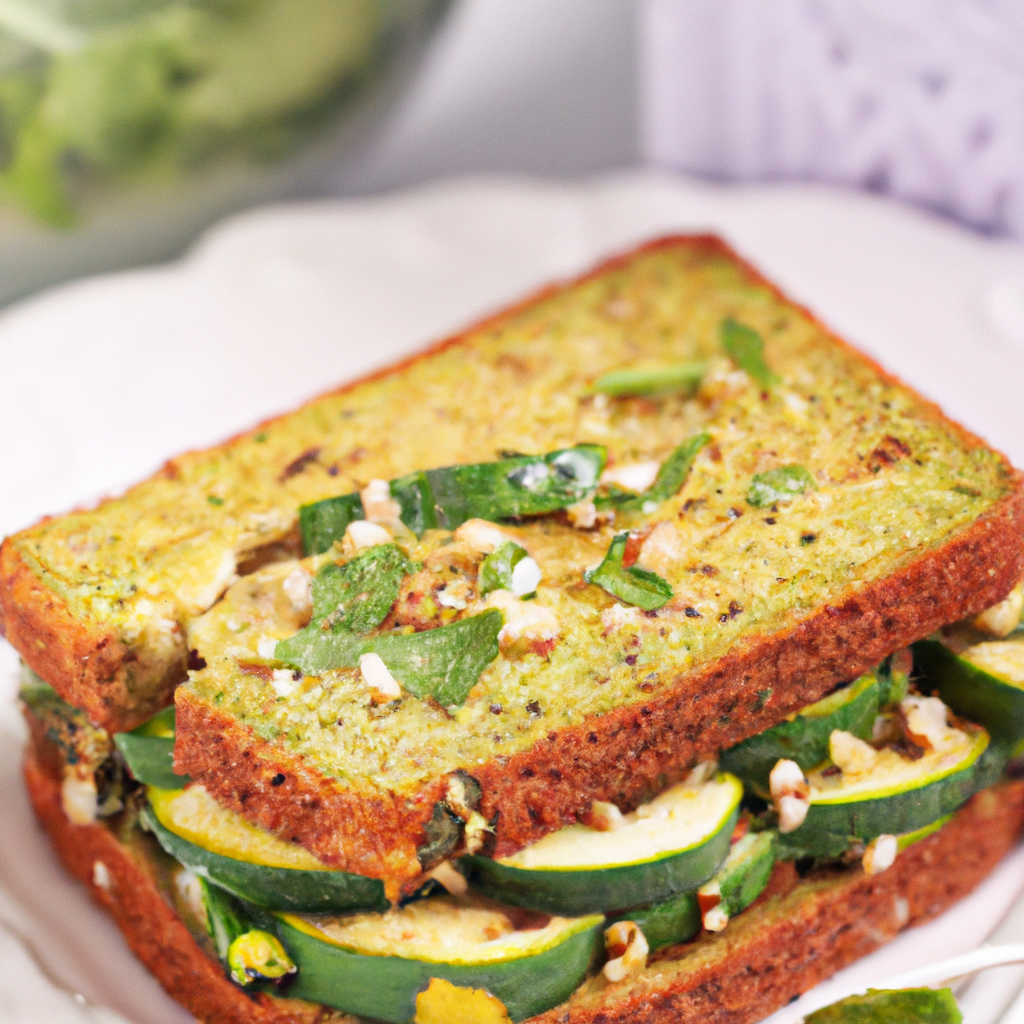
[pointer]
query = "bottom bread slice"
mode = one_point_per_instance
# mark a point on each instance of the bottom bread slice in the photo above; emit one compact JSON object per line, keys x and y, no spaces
{"x":798,"y":933}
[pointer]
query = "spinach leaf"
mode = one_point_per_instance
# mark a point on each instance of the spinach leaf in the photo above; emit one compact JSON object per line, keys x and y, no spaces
{"x":651,"y":380}
{"x":780,"y":484}
{"x":746,"y":348}
{"x":496,"y":568}
{"x":445,"y":498}
{"x":444,"y":663}
{"x":635,"y":586}
{"x":349,"y":600}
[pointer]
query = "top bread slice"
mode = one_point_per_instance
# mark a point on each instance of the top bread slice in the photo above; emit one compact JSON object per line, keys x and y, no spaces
{"x":912,"y":523}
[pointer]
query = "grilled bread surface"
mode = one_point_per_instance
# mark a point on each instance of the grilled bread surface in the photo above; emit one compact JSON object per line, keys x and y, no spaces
{"x":911,"y":523}
{"x":798,"y":933}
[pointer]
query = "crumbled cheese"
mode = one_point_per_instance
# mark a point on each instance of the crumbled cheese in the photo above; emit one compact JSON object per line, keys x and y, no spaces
{"x":851,"y":754}
{"x":78,"y":796}
{"x":298,"y":588}
{"x":927,"y":725}
{"x":633,"y":476}
{"x":266,"y":647}
{"x":378,"y":505}
{"x":626,"y":937}
{"x":100,"y":875}
{"x":1002,"y":619}
{"x":450,"y":599}
{"x":523,"y":619}
{"x":605,"y":817}
{"x":362,"y":534}
{"x":880,"y":855}
{"x":526,"y":577}
{"x":663,"y":549}
{"x":481,"y":535}
{"x":283,"y":681}
{"x":618,"y":615}
{"x":382,"y":684}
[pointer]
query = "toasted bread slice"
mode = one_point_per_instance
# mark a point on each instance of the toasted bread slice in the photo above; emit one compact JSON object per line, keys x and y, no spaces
{"x":98,"y":602}
{"x":798,"y":933}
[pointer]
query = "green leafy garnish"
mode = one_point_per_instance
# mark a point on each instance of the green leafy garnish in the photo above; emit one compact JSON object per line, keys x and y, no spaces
{"x":746,"y":348}
{"x":779,"y":484}
{"x":496,"y":568}
{"x":885,"y":1006}
{"x":445,"y":498}
{"x":651,"y":380}
{"x":444,"y":663}
{"x":635,"y":586}
{"x":349,"y":600}
{"x":671,"y":476}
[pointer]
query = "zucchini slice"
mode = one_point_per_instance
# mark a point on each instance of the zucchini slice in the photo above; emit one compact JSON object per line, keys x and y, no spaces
{"x":675,"y":842}
{"x":804,"y":738}
{"x":984,"y":683}
{"x":897,"y":796}
{"x":249,"y":862}
{"x":741,"y":879}
{"x":374,"y":965}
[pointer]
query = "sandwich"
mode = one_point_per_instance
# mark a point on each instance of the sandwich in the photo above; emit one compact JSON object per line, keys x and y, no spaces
{"x":644,"y":653}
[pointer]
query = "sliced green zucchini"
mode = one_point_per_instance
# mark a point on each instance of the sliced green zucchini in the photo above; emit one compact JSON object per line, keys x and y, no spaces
{"x":149,"y":752}
{"x":374,"y":965}
{"x":741,"y":879}
{"x":676,"y":842}
{"x":985,"y":683}
{"x":249,"y":862}
{"x":804,"y":738}
{"x":897,"y":796}
{"x":883,"y":1006}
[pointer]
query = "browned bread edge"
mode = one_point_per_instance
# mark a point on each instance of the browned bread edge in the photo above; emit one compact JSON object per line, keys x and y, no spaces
{"x":797,"y":934}
{"x":628,"y":753}
{"x":118,"y":686}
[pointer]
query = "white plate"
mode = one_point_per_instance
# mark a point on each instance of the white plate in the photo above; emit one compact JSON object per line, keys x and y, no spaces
{"x":102,"y":380}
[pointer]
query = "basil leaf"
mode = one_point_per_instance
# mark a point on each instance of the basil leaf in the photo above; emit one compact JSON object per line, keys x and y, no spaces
{"x":651,"y":380}
{"x":349,"y":600}
{"x":150,"y":759}
{"x":444,"y":663}
{"x":445,"y":498}
{"x":324,"y":522}
{"x":671,"y":476}
{"x":635,"y":586}
{"x":746,"y":348}
{"x":496,"y":568}
{"x":779,"y":484}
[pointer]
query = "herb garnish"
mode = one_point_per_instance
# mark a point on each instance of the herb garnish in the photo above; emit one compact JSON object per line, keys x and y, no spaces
{"x":634,"y":585}
{"x":746,"y":348}
{"x":780,"y":484}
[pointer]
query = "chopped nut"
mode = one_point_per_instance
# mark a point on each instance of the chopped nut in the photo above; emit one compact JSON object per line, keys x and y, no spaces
{"x":626,"y":943}
{"x":792,"y":812}
{"x":605,"y":817}
{"x":582,"y":515}
{"x":78,"y":796}
{"x":851,"y":754}
{"x":787,"y":779}
{"x":523,"y":618}
{"x":378,"y":505}
{"x":1002,"y":619}
{"x":481,"y":535}
{"x":715,"y":919}
{"x":454,"y":881}
{"x":633,"y":476}
{"x":925,"y":723}
{"x":477,"y":828}
{"x":381,"y":683}
{"x":362,"y":534}
{"x":880,"y":854}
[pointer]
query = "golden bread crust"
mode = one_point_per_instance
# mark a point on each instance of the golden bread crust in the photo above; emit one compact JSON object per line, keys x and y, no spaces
{"x":797,"y":934}
{"x":626,"y":754}
{"x":153,"y":930}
